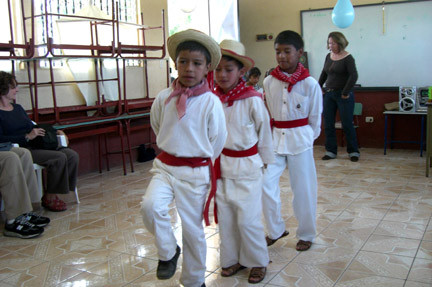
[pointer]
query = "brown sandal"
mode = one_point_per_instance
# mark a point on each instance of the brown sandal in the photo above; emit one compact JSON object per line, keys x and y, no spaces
{"x":273,"y":241}
{"x":303,"y":245}
{"x":233,"y":269}
{"x":257,"y":274}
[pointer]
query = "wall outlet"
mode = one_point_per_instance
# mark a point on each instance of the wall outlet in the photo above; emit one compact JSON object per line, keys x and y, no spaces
{"x":369,"y":119}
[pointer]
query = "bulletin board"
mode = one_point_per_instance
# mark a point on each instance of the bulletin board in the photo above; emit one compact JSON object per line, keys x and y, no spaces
{"x":390,"y":42}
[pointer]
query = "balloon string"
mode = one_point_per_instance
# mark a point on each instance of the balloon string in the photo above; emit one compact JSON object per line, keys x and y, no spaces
{"x":383,"y":17}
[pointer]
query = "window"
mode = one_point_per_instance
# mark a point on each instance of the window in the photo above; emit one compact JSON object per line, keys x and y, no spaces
{"x":127,"y":13}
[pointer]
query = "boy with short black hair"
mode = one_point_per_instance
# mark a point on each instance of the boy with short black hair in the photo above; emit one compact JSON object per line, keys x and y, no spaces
{"x":189,"y":124}
{"x":294,"y":101}
{"x":254,"y":75}
{"x":247,"y":150}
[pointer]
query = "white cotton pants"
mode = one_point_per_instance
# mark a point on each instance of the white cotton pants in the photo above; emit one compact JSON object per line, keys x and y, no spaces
{"x":188,"y":187}
{"x":241,"y":231}
{"x":302,"y":173}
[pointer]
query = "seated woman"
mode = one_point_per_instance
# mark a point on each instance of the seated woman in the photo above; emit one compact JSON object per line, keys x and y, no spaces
{"x":16,"y":127}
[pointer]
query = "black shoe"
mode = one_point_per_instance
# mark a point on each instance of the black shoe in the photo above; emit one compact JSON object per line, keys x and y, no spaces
{"x":39,"y":221}
{"x":22,"y":228}
{"x":203,"y":285}
{"x":354,"y":158}
{"x":327,"y":157}
{"x":166,"y":269}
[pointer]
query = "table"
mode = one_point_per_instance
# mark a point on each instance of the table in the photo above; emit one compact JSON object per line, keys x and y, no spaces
{"x":391,"y":140}
{"x":428,"y":137}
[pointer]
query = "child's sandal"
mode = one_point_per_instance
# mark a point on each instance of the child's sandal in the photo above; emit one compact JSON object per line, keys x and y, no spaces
{"x":303,"y":245}
{"x":233,"y":269}
{"x":257,"y":274}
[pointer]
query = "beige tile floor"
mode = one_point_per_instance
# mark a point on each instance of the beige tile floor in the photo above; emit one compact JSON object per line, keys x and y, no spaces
{"x":374,"y":229}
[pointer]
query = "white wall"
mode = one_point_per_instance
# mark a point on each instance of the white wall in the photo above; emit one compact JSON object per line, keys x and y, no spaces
{"x":272,"y":17}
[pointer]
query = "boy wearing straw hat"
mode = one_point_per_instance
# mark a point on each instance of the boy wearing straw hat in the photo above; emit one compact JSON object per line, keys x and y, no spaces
{"x":247,"y":150}
{"x":189,"y":124}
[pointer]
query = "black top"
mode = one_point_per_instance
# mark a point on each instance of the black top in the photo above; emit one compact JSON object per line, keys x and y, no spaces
{"x":14,"y":125}
{"x":340,"y":74}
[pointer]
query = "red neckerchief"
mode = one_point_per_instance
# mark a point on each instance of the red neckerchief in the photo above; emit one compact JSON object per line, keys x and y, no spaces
{"x":241,"y":91}
{"x":184,"y":93}
{"x":300,"y":73}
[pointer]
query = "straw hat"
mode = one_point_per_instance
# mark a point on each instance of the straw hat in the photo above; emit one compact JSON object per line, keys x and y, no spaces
{"x":194,"y":35}
{"x":237,"y":51}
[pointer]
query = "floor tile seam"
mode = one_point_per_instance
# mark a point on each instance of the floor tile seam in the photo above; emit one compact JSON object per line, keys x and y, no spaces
{"x":373,"y":233}
{"x":418,"y":248}
{"x":114,"y":187}
{"x":80,"y":226}
{"x":88,"y":271}
{"x":356,"y":254}
{"x":304,"y":264}
{"x":359,"y":250}
{"x":65,"y":279}
{"x":328,"y":226}
{"x":388,"y":208}
{"x":62,"y":283}
{"x":340,"y":213}
{"x":8,"y":276}
{"x":281,"y":269}
{"x":27,"y":269}
{"x":379,"y":275}
{"x":413,"y":280}
{"x":425,"y":225}
{"x":6,"y":284}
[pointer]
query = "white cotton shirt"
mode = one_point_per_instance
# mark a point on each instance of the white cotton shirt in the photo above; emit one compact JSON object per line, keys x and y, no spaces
{"x":201,"y":132}
{"x":248,"y":123}
{"x":304,"y":101}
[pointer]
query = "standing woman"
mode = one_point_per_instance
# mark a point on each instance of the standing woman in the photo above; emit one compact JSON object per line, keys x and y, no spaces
{"x":339,"y":75}
{"x":16,"y":127}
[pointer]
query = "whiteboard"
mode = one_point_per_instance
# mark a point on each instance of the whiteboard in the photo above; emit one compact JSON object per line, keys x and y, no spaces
{"x":391,"y":49}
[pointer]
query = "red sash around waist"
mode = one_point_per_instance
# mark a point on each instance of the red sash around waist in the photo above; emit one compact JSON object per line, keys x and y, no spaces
{"x":233,"y":153}
{"x":289,"y":124}
{"x":240,"y":153}
{"x":169,"y":159}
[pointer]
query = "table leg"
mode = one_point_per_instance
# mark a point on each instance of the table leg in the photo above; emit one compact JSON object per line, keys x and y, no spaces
{"x":422,"y":135}
{"x":385,"y":134}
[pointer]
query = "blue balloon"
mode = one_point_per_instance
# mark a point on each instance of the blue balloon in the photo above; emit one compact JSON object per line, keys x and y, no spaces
{"x":343,"y":14}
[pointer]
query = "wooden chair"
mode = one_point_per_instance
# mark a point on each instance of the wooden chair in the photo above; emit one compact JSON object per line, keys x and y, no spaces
{"x":358,"y":109}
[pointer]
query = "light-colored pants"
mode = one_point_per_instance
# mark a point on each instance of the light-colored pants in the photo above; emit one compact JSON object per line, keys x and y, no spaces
{"x":188,"y":187}
{"x":302,"y":173}
{"x":241,"y":231}
{"x":18,"y":185}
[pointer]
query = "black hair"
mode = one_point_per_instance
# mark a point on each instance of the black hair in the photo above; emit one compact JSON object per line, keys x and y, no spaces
{"x":237,"y":62}
{"x":289,"y":37}
{"x":269,"y":72}
{"x":7,"y":81}
{"x":254,"y":72}
{"x":193,"y":46}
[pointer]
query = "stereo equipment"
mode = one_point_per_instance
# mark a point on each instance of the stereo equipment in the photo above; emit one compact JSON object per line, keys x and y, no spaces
{"x":407,"y":99}
{"x":422,"y":99}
